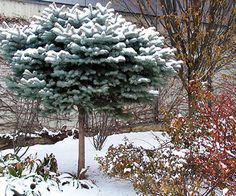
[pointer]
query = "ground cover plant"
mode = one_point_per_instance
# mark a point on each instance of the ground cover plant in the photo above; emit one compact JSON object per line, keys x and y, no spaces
{"x":34,"y":176}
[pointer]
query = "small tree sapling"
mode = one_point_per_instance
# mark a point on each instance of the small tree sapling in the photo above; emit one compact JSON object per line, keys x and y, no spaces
{"x":88,"y":59}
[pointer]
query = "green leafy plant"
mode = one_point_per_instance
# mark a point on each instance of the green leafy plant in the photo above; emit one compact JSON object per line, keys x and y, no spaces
{"x":12,"y":165}
{"x":35,"y":177}
{"x":48,"y":166}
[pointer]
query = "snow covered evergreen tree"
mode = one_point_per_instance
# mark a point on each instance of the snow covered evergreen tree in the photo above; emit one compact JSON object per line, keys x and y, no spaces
{"x":89,"y":58}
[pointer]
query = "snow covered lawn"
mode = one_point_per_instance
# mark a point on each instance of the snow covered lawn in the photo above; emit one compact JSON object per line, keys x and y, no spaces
{"x":66,"y":153}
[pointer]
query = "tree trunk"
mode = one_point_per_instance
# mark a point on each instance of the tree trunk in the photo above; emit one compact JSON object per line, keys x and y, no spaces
{"x":210,"y":88}
{"x":191,"y":103}
{"x":81,"y":162}
{"x":156,"y":109}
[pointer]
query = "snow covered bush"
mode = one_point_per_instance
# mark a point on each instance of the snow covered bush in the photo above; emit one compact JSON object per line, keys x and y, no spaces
{"x":159,"y":171}
{"x":12,"y":165}
{"x":200,"y":160}
{"x":120,"y":160}
{"x":210,"y":137}
{"x":36,"y":177}
{"x":217,"y":158}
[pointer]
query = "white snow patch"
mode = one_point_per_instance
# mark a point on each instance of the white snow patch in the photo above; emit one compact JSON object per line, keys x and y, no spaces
{"x":154,"y":92}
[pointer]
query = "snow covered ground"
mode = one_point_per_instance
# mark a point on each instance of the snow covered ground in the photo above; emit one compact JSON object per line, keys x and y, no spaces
{"x":66,"y":153}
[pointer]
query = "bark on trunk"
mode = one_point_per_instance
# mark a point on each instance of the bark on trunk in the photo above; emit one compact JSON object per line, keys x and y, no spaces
{"x":81,"y":162}
{"x":210,"y":89}
{"x":191,"y":104}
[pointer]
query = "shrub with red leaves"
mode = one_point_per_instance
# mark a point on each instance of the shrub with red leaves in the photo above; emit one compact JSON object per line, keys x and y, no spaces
{"x":210,"y":135}
{"x":216,"y":114}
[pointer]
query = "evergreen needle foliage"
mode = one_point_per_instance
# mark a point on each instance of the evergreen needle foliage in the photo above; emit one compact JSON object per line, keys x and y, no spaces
{"x":91,"y":58}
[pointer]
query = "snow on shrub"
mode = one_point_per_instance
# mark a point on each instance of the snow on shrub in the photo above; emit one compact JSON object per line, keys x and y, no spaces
{"x":201,"y":159}
{"x":218,"y":162}
{"x":152,"y":171}
{"x":12,"y":165}
{"x":210,"y":136}
{"x":33,"y":176}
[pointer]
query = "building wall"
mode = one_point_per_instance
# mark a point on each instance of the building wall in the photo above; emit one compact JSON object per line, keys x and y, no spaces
{"x":20,"y":8}
{"x":28,"y":8}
